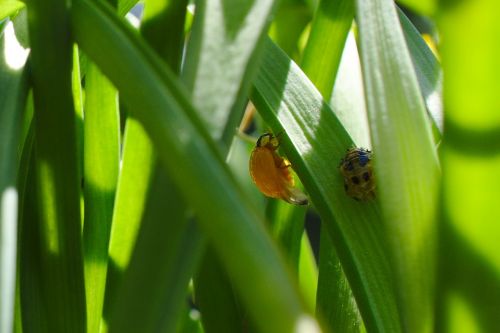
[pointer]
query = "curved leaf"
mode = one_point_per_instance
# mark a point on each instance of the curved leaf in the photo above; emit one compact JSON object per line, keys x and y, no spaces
{"x":13,"y":95}
{"x":159,"y":101}
{"x":315,"y":141}
{"x":100,"y":172}
{"x":427,"y":69}
{"x":406,"y":164}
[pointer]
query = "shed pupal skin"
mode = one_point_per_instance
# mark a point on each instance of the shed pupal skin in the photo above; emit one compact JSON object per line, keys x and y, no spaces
{"x":272,"y":173}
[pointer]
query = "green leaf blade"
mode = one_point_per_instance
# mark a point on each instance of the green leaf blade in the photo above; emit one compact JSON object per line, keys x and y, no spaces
{"x":175,"y":244}
{"x":101,"y":165}
{"x":13,"y":95}
{"x":56,"y":166}
{"x":321,"y":59}
{"x":176,"y":132}
{"x":331,"y":57}
{"x":226,"y":41}
{"x":406,"y":164}
{"x":427,"y":69}
{"x":335,"y":303}
{"x":289,"y":103}
{"x":9,"y":7}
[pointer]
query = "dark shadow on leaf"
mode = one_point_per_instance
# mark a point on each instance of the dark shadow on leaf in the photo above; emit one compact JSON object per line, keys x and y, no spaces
{"x":235,"y":13}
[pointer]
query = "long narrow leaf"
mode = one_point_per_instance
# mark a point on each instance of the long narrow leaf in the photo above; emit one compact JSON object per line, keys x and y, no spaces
{"x":216,"y":298}
{"x":308,"y":272}
{"x":78,"y":100}
{"x":9,"y":7}
{"x":33,"y":312}
{"x":101,"y":162}
{"x":289,"y":103}
{"x":154,"y":287}
{"x":173,"y":243}
{"x":335,"y":303}
{"x":134,"y":179}
{"x":321,"y":59}
{"x":202,"y":176}
{"x":138,"y":168}
{"x":287,"y":225}
{"x":25,"y":170}
{"x":427,"y":69}
{"x":406,"y":166}
{"x":226,"y":41}
{"x":56,"y":164}
{"x":13,"y":94}
{"x":289,"y":24}
{"x":326,"y":48}
{"x":130,"y":204}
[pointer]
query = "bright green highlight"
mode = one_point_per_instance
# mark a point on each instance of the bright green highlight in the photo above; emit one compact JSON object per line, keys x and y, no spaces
{"x":9,"y":7}
{"x":472,"y":189}
{"x":472,"y":65}
{"x":461,"y":315}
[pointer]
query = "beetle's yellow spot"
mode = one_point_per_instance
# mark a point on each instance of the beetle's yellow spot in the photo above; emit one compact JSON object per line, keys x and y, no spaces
{"x":272,"y":173}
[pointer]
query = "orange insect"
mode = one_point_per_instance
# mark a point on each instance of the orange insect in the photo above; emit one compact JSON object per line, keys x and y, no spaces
{"x":272,"y":173}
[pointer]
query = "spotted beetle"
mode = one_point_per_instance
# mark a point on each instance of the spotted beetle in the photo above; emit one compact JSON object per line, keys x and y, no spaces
{"x":356,"y":168}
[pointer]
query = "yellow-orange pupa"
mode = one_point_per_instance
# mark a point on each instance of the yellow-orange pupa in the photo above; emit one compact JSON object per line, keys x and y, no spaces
{"x":272,"y":173}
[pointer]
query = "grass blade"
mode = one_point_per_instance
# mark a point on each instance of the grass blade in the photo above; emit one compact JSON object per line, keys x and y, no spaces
{"x":406,"y":164}
{"x":76,"y":83}
{"x":470,"y":283}
{"x":349,"y":105}
{"x":216,"y":298}
{"x":225,"y":43}
{"x":308,"y":272}
{"x":130,"y":204}
{"x":13,"y":95}
{"x":321,"y":59}
{"x":134,"y":178}
{"x":9,"y":7}
{"x":175,"y":245}
{"x":326,"y":48}
{"x":427,"y":69}
{"x":101,"y":163}
{"x":288,"y":25}
{"x":33,"y":312}
{"x":245,"y":247}
{"x":152,"y":294}
{"x":56,"y":164}
{"x":25,"y":169}
{"x":289,"y":103}
{"x":335,"y":304}
{"x":287,"y":226}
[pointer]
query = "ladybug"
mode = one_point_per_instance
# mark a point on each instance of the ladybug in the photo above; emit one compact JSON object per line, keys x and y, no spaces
{"x":356,"y":168}
{"x":272,"y":174}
